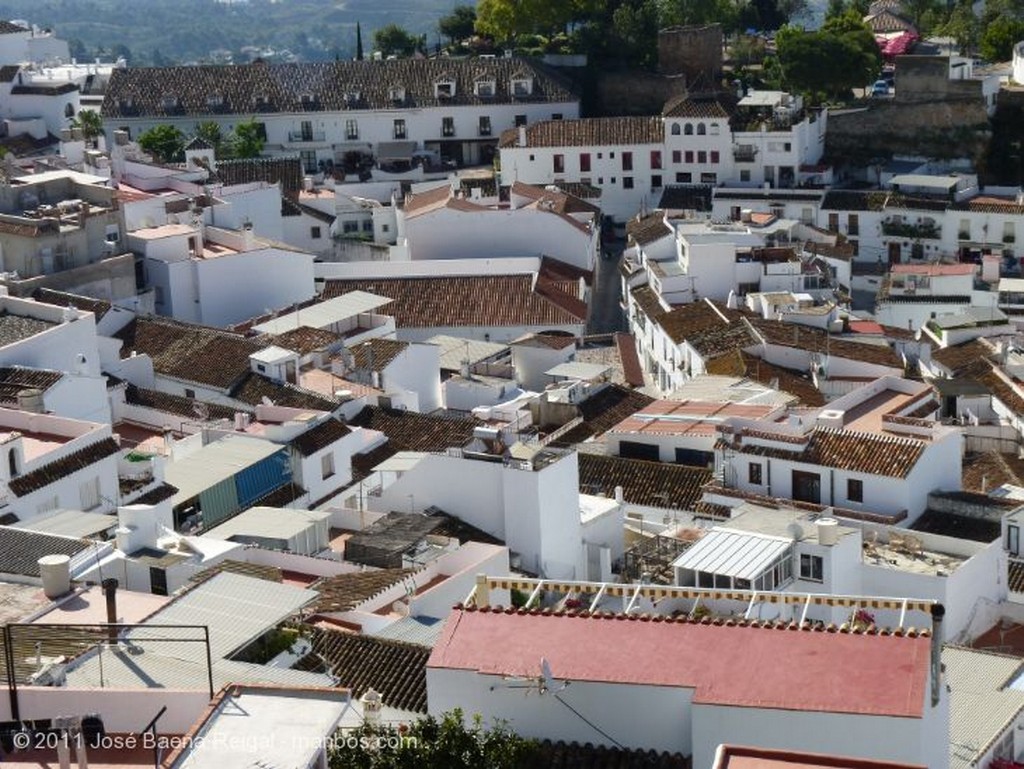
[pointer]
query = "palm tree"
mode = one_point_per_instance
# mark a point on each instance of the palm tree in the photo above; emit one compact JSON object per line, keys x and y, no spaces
{"x":91,"y":124}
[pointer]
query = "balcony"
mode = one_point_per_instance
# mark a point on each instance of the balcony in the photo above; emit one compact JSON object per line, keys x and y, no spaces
{"x":921,"y":231}
{"x":744,"y":153}
{"x":306,"y":136}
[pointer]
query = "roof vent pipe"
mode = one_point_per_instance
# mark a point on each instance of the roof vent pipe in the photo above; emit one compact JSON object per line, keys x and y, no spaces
{"x":110,"y":594}
{"x":938,"y":611}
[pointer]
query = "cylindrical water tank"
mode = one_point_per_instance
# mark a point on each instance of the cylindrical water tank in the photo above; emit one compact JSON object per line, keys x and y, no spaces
{"x":55,"y":571}
{"x":828,"y":531}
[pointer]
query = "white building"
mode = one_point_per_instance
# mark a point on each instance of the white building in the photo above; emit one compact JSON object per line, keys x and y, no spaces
{"x":537,"y":222}
{"x":196,"y":273}
{"x":329,"y":112}
{"x":698,"y":685}
{"x":409,"y":373}
{"x":695,"y":141}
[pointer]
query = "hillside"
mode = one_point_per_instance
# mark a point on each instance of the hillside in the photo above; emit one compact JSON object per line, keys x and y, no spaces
{"x":160,"y":32}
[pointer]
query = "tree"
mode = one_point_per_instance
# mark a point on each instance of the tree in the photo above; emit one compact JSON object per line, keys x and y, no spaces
{"x":248,"y":139}
{"x":91,"y":123}
{"x":459,"y":24}
{"x":999,"y":38}
{"x":359,"y":42}
{"x":431,"y":743}
{"x":393,"y":40}
{"x":165,"y":142}
{"x":841,"y":56}
{"x":210,"y":131}
{"x":962,"y":26}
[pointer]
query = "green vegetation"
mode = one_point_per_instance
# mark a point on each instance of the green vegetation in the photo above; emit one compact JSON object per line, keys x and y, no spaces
{"x":999,"y":38}
{"x":393,"y":40}
{"x":247,"y":140}
{"x":164,"y":142}
{"x":431,"y":743}
{"x":91,"y":123}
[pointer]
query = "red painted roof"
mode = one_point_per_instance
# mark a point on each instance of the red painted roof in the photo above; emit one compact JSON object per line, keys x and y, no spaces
{"x":732,"y":757}
{"x":739,"y":665}
{"x":865,"y":327}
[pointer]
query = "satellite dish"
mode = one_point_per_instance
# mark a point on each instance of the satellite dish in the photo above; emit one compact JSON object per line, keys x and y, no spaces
{"x":548,"y":684}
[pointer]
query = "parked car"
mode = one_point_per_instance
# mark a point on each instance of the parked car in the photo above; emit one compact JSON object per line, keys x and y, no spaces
{"x":880,"y":88}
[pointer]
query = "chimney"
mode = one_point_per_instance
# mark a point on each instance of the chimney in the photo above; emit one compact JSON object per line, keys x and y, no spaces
{"x":938,"y":611}
{"x":522,"y":136}
{"x":110,"y":593}
{"x":372,"y":704}
{"x":620,"y":496}
{"x":482,"y":595}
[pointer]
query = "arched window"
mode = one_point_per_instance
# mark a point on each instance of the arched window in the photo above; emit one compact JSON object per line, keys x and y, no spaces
{"x":701,"y":130}
{"x":675,"y":129}
{"x":69,"y":110}
{"x":12,"y":463}
{"x":689,"y":129}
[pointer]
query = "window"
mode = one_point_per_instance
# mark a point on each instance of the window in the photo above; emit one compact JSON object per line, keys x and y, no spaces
{"x":558,"y":164}
{"x":806,"y":487}
{"x":157,"y":580}
{"x":520,"y":120}
{"x":677,"y":156}
{"x":12,"y":463}
{"x":309,"y":161}
{"x":447,"y":126}
{"x":811,"y":567}
{"x":833,"y":222}
{"x":306,"y":131}
{"x":350,"y":228}
{"x":190,"y":393}
{"x":656,"y":182}
{"x":399,"y":129}
{"x":485,"y":88}
{"x":584,"y":162}
{"x":385,"y":228}
{"x":702,"y":157}
{"x":675,"y":129}
{"x":522,"y":86}
{"x":854,"y":490}
{"x":396,"y":93}
{"x":89,"y":494}
{"x":655,"y":159}
{"x":852,"y":224}
{"x":701,"y":130}
{"x":484,"y":125}
{"x":351,"y":129}
{"x":69,"y":110}
{"x":627,"y":182}
{"x":169,"y":101}
{"x":627,"y":161}
{"x":754,"y":473}
{"x":326,"y":466}
{"x":261,"y":368}
{"x":556,"y":115}
{"x":709,"y":178}
{"x":689,"y":129}
{"x":314,"y":233}
{"x":689,"y":156}
{"x":745,"y":176}
{"x":684,"y":178}
{"x":444,"y":89}
{"x":714,"y":156}
{"x":367,"y":225}
{"x":1013,"y":539}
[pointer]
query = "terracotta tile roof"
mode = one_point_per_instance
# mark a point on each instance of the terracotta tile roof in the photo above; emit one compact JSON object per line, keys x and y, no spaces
{"x":860,"y":452}
{"x":573,"y":755}
{"x":174,"y":404}
{"x":320,"y":437}
{"x":742,"y":364}
{"x":253,"y":388}
{"x":686,"y":197}
{"x":739,"y":664}
{"x":306,"y":339}
{"x":647,"y":300}
{"x":990,"y":205}
{"x":157,"y":495}
{"x":258,"y":571}
{"x":21,"y":549}
{"x":959,"y":357}
{"x":26,"y":230}
{"x":559,"y":201}
{"x":550,"y":341}
{"x":648,"y":229}
{"x":332,"y":86}
{"x":99,"y":307}
{"x":453,"y":526}
{"x":1015,"y":575}
{"x":409,"y":431}
{"x":8,"y":71}
{"x":16,"y":379}
{"x":694,"y":107}
{"x":377,"y":354}
{"x":984,"y":373}
{"x":589,"y":132}
{"x":10,"y":28}
{"x":427,"y":200}
{"x":457,"y":301}
{"x":15,"y":328}
{"x":603,"y":411}
{"x":58,"y":469}
{"x":44,"y":89}
{"x":398,"y":671}
{"x":854,"y":200}
{"x":711,"y":331}
{"x":984,"y":471}
{"x":286,"y":171}
{"x":654,"y":484}
{"x":191,"y":353}
{"x":817,"y":340}
{"x":632,"y":371}
{"x":63,"y":641}
{"x":344,"y":592}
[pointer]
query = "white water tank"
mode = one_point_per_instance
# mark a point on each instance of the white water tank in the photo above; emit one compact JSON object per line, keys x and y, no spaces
{"x":31,"y":399}
{"x":828,"y":531}
{"x":55,"y":571}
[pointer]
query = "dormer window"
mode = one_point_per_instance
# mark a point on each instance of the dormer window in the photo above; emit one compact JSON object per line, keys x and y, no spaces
{"x":351,"y":98}
{"x":169,"y":101}
{"x":308,"y":99}
{"x":127,"y":103}
{"x":214,"y":101}
{"x":444,"y":88}
{"x":522,"y":86}
{"x":260,"y":101}
{"x":484,"y":88}
{"x":396,"y":93}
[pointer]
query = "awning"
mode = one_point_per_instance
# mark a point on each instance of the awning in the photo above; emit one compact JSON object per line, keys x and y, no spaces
{"x":737,"y":554}
{"x":395,"y":150}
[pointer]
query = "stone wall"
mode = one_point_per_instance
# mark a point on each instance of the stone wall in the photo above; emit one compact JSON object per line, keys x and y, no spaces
{"x":693,"y":51}
{"x":634,"y":92}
